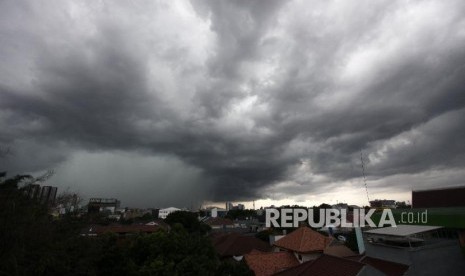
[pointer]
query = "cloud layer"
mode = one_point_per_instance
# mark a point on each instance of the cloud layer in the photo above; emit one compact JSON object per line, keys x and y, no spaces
{"x":243,"y":100}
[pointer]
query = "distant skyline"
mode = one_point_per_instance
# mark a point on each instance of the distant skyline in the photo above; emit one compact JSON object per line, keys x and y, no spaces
{"x":182,"y":102}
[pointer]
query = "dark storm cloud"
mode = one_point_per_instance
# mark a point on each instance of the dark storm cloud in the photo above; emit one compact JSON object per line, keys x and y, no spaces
{"x":245,"y":96}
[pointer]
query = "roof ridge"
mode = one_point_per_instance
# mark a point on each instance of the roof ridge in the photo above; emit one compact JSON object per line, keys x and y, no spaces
{"x":302,"y":238}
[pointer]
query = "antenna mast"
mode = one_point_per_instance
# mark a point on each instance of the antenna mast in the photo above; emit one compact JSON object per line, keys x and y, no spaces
{"x":364,"y":177}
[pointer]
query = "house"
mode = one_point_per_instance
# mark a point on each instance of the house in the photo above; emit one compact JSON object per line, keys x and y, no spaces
{"x":163,"y":213}
{"x":234,"y":245}
{"x":305,"y":243}
{"x":326,"y":265}
{"x":269,"y":263}
{"x":427,"y":250}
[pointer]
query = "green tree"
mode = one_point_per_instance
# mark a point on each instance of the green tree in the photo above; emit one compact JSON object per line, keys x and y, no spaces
{"x":22,"y":221}
{"x":174,"y":253}
{"x":33,"y":243}
{"x":189,"y":221}
{"x":241,"y":214}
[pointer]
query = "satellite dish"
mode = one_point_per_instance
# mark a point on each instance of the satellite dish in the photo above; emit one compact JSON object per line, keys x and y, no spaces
{"x":342,"y":238}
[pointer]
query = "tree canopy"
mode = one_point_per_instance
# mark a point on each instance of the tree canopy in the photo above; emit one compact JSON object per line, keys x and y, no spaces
{"x":33,"y":243}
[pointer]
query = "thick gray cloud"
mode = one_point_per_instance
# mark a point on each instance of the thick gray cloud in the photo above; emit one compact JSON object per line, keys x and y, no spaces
{"x":242,"y":100}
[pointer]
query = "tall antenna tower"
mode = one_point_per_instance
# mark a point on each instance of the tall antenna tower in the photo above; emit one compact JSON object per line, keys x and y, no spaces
{"x":364,"y":177}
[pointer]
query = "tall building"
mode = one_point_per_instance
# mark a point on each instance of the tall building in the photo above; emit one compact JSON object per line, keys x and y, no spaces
{"x":48,"y":195}
{"x":44,"y":194}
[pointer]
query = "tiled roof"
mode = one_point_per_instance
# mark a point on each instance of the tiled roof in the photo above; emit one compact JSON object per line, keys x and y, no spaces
{"x":356,"y":258}
{"x":304,"y":240}
{"x":339,"y":251}
{"x":234,"y":244}
{"x":325,"y":265}
{"x":268,"y":263}
{"x":387,"y":267}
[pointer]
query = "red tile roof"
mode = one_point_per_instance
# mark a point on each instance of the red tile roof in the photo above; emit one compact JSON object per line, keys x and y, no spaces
{"x":268,"y":263}
{"x":325,"y":265}
{"x":304,"y":240}
{"x":234,"y":244}
{"x":356,"y":258}
{"x":339,"y":251}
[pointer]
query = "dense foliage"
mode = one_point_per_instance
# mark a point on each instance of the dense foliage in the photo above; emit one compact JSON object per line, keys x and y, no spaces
{"x":189,"y":221}
{"x":241,"y":214}
{"x":33,"y":243}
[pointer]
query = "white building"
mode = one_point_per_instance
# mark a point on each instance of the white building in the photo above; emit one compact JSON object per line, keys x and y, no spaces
{"x":163,"y":213}
{"x":218,"y":212}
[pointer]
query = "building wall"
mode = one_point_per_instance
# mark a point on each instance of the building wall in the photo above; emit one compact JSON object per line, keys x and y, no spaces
{"x":163,"y":213}
{"x":453,"y":197}
{"x":306,"y":257}
{"x":102,"y":204}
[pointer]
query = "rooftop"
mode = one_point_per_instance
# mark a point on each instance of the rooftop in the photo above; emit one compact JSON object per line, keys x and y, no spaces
{"x":339,"y":251}
{"x":325,"y":265}
{"x":403,"y":230}
{"x":440,"y":189}
{"x":304,"y":240}
{"x":234,"y":244}
{"x":268,"y":263}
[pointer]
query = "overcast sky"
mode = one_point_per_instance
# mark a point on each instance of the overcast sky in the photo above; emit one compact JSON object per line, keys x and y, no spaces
{"x":163,"y":103}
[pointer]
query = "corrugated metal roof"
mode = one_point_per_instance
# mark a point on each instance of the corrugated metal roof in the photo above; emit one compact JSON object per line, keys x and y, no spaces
{"x":403,"y":230}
